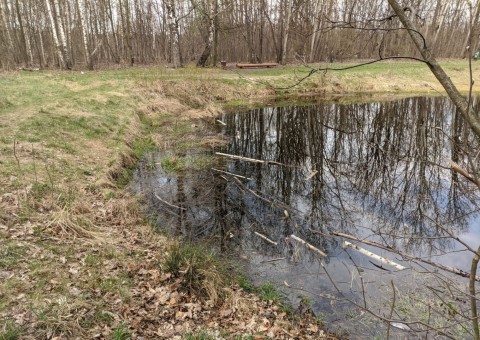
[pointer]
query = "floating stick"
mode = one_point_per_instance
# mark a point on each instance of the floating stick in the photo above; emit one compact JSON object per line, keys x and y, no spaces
{"x":368,"y":253}
{"x":231,"y":174}
{"x":266,"y":238}
{"x":308,"y":245}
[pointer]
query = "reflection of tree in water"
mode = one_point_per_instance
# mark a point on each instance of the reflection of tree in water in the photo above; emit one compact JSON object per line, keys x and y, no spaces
{"x":382,"y":166}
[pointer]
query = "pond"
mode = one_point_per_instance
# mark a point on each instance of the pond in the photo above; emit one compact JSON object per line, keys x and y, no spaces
{"x":376,"y":171}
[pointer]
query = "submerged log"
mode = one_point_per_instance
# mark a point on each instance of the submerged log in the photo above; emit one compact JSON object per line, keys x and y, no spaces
{"x":308,"y":245}
{"x":373,"y":255}
{"x":408,"y":257}
{"x":265,"y":238}
{"x":247,"y":159}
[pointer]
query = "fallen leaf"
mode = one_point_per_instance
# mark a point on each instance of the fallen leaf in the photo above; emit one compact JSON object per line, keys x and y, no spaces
{"x":73,"y":270}
{"x":226,"y":312}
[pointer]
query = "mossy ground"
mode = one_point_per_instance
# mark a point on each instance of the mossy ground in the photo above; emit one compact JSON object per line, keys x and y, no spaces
{"x":72,"y":240}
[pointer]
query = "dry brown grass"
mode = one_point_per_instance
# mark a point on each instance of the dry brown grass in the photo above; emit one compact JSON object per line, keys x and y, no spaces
{"x":69,"y":233}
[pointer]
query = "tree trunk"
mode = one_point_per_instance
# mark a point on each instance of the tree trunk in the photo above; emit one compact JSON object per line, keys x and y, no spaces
{"x":108,"y":8}
{"x":4,"y":22}
{"x":286,"y":31}
{"x":209,"y":18}
{"x":81,"y":16}
{"x":472,"y":33}
{"x":27,"y":47}
{"x":56,"y":41}
{"x":215,"y":33}
{"x":128,"y":34}
{"x":316,"y":27}
{"x":172,"y":22}
{"x":61,"y":35}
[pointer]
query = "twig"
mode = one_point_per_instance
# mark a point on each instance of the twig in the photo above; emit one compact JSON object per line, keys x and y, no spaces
{"x":231,"y":174}
{"x":167,"y":203}
{"x":223,"y":123}
{"x":252,"y":160}
{"x":473,"y":298}
{"x":266,"y":238}
{"x":391,"y":310}
{"x":34,"y":164}
{"x":372,"y":255}
{"x":308,"y":245}
{"x":15,"y":153}
{"x":274,"y":260}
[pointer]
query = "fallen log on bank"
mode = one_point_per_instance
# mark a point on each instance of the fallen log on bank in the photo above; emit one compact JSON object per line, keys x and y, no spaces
{"x":259,"y":65}
{"x":452,"y":270}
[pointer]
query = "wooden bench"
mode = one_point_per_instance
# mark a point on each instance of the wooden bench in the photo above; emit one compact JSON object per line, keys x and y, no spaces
{"x":267,"y":65}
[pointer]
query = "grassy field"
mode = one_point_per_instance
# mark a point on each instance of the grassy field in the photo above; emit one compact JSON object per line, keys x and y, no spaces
{"x":77,"y":257}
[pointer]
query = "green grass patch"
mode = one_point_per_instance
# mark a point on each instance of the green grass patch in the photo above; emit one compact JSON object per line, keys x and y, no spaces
{"x":121,"y":333}
{"x":200,"y":270}
{"x":10,"y":254}
{"x":202,"y":335}
{"x":268,"y":292}
{"x":10,"y":331}
{"x":246,"y":284}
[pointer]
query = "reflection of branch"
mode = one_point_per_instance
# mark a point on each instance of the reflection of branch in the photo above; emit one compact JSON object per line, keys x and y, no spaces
{"x":265,"y":200}
{"x":406,"y":256}
{"x":380,"y":317}
{"x":457,"y":168}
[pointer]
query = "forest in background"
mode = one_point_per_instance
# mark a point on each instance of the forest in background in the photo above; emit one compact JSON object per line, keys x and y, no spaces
{"x":88,"y":33}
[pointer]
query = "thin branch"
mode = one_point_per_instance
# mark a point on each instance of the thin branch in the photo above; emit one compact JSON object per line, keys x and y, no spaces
{"x":392,"y":309}
{"x":473,"y":300}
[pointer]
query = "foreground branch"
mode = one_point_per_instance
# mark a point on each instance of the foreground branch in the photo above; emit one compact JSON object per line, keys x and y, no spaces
{"x":473,"y":297}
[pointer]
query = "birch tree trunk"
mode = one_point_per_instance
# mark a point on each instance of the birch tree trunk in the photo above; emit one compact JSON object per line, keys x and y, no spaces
{"x":27,"y":47}
{"x":61,"y":35}
{"x":4,"y":22}
{"x":58,"y":45}
{"x":172,"y":22}
{"x":109,"y":10}
{"x":209,"y":18}
{"x":81,"y":16}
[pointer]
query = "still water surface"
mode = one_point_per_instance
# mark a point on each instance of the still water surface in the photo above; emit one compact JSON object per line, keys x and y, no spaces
{"x":378,"y":171}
